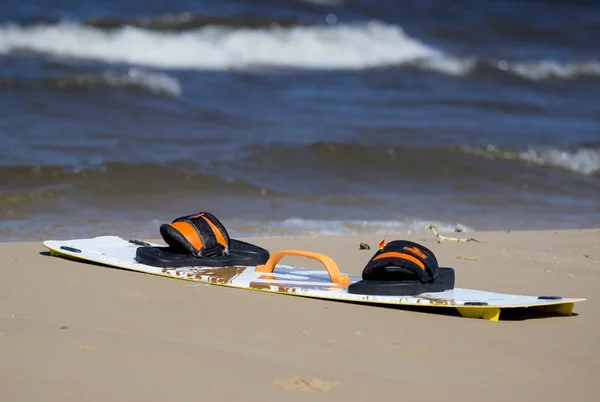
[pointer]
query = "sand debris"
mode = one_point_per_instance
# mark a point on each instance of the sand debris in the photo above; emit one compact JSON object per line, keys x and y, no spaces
{"x":305,"y":385}
{"x":460,"y":257}
{"x":329,"y":343}
{"x":440,"y":237}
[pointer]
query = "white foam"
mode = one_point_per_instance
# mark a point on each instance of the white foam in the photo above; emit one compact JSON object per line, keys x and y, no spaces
{"x":547,"y":69}
{"x":314,"y":227}
{"x":533,"y":70}
{"x":153,"y":82}
{"x":448,"y":65}
{"x":584,"y":161}
{"x":329,"y":46}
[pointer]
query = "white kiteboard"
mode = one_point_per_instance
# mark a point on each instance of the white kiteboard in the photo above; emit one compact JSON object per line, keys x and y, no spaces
{"x":327,"y":284}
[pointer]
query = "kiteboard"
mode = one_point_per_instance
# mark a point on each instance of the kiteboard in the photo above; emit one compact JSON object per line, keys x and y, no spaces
{"x":330,"y":284}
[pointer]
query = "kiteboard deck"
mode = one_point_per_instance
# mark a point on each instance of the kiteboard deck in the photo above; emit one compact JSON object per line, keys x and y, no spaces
{"x":114,"y":251}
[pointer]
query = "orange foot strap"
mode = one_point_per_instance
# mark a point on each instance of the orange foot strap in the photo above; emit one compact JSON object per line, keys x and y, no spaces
{"x":334,"y":273}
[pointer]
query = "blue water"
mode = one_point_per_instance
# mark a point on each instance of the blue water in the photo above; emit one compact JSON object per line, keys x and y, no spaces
{"x":298,"y":117}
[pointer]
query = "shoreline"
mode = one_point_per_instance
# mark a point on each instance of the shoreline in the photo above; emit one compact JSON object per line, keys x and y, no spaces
{"x":266,"y":230}
{"x":77,"y":330}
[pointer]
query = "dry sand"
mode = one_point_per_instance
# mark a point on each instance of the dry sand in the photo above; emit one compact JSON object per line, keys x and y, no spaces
{"x":71,"y":331}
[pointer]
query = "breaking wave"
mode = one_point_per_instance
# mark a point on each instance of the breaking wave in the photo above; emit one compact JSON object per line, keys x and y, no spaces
{"x":187,"y":41}
{"x":583,"y":160}
{"x":353,"y":165}
{"x":355,"y":158}
{"x":216,"y":47}
{"x":531,"y":70}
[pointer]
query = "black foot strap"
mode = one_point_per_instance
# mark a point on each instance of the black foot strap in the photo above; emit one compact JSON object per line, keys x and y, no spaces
{"x":402,"y":268}
{"x":201,"y":235}
{"x":200,"y":240}
{"x":402,"y":259}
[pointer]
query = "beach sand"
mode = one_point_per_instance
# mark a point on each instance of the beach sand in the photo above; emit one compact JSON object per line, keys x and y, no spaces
{"x":76,"y":331}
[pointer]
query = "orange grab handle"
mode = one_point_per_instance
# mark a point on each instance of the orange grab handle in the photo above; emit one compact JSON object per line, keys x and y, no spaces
{"x":334,"y":273}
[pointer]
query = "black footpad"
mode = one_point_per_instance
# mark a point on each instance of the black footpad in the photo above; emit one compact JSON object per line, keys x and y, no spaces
{"x":240,"y":253}
{"x":408,"y":287}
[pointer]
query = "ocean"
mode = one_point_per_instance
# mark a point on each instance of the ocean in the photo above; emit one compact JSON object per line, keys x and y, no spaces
{"x":298,"y":117}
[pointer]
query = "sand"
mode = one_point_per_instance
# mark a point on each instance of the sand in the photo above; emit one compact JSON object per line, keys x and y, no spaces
{"x":74,"y":331}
